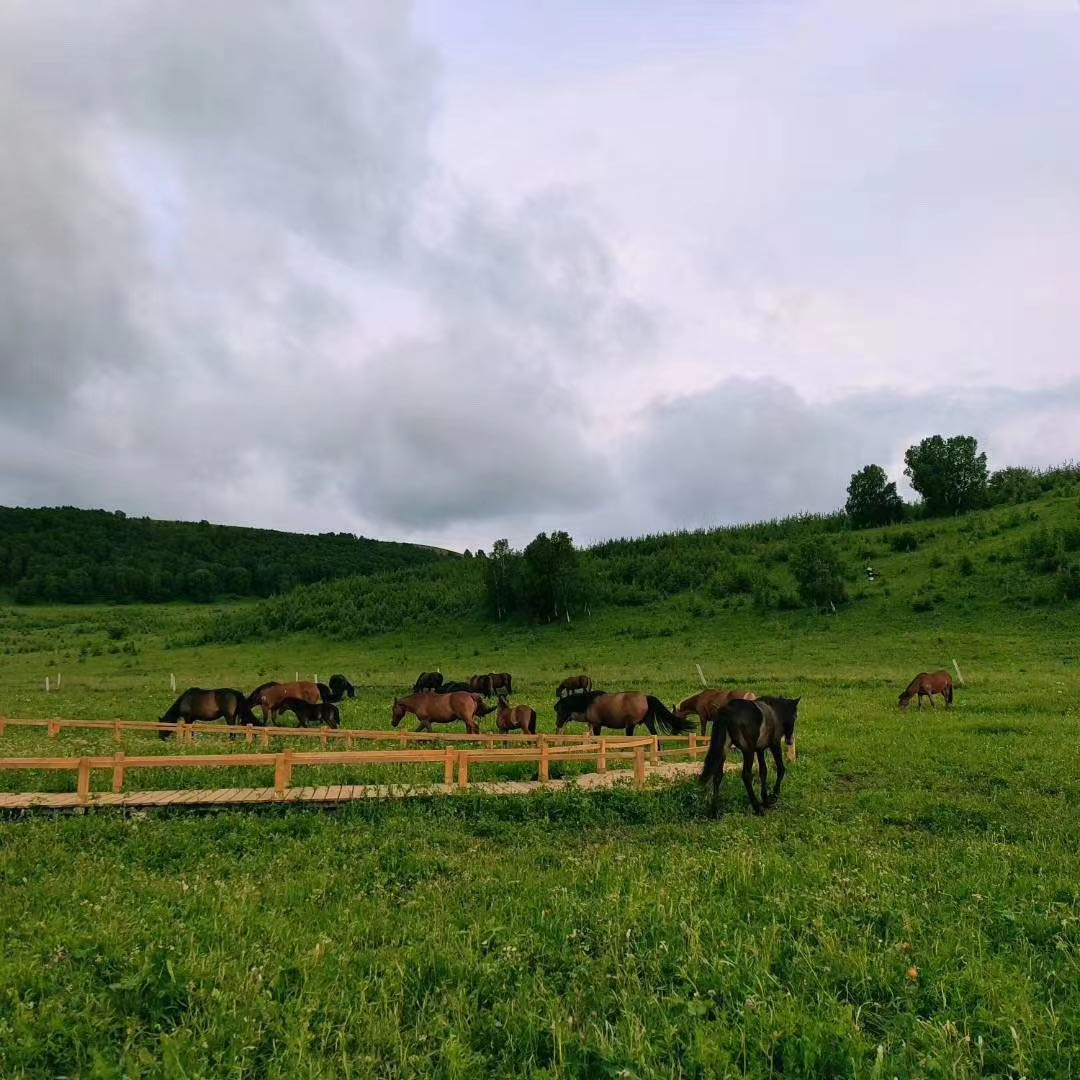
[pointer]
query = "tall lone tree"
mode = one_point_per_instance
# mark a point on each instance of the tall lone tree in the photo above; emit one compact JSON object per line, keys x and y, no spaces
{"x":872,"y":498}
{"x":950,"y":474}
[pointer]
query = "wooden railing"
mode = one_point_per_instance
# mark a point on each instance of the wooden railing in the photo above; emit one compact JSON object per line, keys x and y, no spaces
{"x":453,"y":760}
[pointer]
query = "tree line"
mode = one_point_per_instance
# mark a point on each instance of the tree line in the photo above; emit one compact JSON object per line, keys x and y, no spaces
{"x":68,"y":555}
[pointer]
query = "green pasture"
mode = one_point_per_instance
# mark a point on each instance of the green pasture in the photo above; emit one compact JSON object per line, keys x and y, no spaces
{"x":911,"y":909}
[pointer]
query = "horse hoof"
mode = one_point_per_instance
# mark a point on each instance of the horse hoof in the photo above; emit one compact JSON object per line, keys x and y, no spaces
{"x":772,"y":800}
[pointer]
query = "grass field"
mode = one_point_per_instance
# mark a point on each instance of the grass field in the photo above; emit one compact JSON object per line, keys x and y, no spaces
{"x":911,"y":909}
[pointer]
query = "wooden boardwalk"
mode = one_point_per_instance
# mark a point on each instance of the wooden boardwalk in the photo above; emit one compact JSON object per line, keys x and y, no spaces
{"x":326,"y":796}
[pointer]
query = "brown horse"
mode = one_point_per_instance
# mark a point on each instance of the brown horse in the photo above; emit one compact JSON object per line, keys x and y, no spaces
{"x":754,"y":727}
{"x":495,"y":682}
{"x":441,"y":709}
{"x":198,"y":704}
{"x":927,"y":684}
{"x":270,"y":696}
{"x":573,"y":684}
{"x":598,"y":710}
{"x":515,"y":718}
{"x":708,"y":703}
{"x":480,"y":684}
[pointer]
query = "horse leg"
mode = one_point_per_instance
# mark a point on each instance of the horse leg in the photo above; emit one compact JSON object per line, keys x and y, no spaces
{"x":704,"y":724}
{"x":716,"y":781}
{"x":778,"y":761}
{"x":763,"y":776}
{"x":748,"y":781}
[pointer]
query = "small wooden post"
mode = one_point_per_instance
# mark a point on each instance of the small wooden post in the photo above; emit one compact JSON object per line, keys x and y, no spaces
{"x":403,"y":741}
{"x":58,"y":680}
{"x":265,"y":737}
{"x":489,"y":741}
{"x":654,"y":751}
{"x":249,"y":735}
{"x":84,"y":780}
{"x":325,"y":733}
{"x":46,"y":684}
{"x":545,"y":761}
{"x":282,"y":773}
{"x":639,"y":767}
{"x":958,"y":675}
{"x":463,"y":768}
{"x":448,"y":766}
{"x":116,"y":732}
{"x":118,"y":772}
{"x":701,"y":675}
{"x":54,"y":729}
{"x":172,"y":682}
{"x":601,"y":757}
{"x":3,"y":724}
{"x":693,"y":746}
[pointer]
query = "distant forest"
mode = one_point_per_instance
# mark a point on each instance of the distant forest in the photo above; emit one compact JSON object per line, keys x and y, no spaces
{"x":66,"y":555}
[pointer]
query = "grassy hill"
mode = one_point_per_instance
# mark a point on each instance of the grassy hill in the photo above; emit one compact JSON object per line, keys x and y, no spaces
{"x":68,"y":555}
{"x":1023,"y":556}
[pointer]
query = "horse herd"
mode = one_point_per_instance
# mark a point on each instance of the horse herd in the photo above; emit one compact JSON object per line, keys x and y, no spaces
{"x":739,"y":718}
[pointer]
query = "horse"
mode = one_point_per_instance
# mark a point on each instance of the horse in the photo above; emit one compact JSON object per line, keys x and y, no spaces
{"x":324,"y":714}
{"x":598,"y":709}
{"x":927,"y":684}
{"x":573,"y":683}
{"x":453,"y":688}
{"x":270,"y":696}
{"x":708,"y":703}
{"x":754,"y":727}
{"x":499,"y":682}
{"x":198,"y":704}
{"x":515,"y":717}
{"x":339,"y":688}
{"x":441,"y":709}
{"x":480,"y":684}
{"x":428,"y":680}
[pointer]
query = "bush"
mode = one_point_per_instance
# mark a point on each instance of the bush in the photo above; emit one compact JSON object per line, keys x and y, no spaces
{"x":903,"y":541}
{"x":966,"y":566}
{"x":819,"y":572}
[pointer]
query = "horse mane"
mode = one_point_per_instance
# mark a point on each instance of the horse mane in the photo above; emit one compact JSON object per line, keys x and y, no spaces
{"x":173,"y":711}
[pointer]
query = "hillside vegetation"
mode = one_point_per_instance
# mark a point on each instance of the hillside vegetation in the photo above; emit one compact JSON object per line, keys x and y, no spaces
{"x":1025,"y":555}
{"x":77,"y":556}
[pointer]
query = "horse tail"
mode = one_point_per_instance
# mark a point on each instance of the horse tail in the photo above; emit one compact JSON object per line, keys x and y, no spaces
{"x":509,"y":683}
{"x":532,"y":721}
{"x":672,"y":724}
{"x":949,"y":688}
{"x":717,"y":753}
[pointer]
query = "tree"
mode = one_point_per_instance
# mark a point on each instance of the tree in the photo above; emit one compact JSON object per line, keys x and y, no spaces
{"x":819,"y":572}
{"x":872,"y":499}
{"x":949,"y":474}
{"x":551,"y":573}
{"x":501,"y":572}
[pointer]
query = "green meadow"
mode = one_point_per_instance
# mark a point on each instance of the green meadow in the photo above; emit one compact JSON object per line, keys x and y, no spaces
{"x":911,"y":908}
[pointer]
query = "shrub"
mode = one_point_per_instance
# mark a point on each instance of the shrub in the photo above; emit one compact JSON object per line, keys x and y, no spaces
{"x":966,"y":566}
{"x":903,"y":541}
{"x":819,"y":572}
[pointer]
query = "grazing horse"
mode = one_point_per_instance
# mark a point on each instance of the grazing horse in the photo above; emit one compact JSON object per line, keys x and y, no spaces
{"x":515,"y":717}
{"x":270,"y":696}
{"x":339,"y":688}
{"x":428,"y":680}
{"x":480,"y":684}
{"x":754,"y":727}
{"x":453,"y":688}
{"x":708,"y":703}
{"x":499,"y":682}
{"x":927,"y":684}
{"x":324,"y":714}
{"x":598,"y":710}
{"x":198,"y":704}
{"x":573,"y":684}
{"x":441,"y":709}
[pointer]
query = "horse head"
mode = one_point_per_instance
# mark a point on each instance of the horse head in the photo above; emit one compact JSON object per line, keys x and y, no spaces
{"x":397,"y":712}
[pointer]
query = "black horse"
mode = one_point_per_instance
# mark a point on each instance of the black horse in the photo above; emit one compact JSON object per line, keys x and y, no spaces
{"x":428,"y":680}
{"x":340,"y":688}
{"x":325,"y":714}
{"x":754,"y":727}
{"x":198,"y":704}
{"x":453,"y":688}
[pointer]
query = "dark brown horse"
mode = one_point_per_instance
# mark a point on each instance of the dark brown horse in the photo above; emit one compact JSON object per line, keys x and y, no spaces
{"x":340,"y":688}
{"x":598,"y":710}
{"x":708,"y":703}
{"x":499,"y":682}
{"x":324,"y":714}
{"x":573,"y":684}
{"x":927,"y":684}
{"x":270,"y":696}
{"x":198,"y":704}
{"x":754,"y":727}
{"x":480,"y":684}
{"x":515,"y":718}
{"x":441,"y":709}
{"x":428,"y":680}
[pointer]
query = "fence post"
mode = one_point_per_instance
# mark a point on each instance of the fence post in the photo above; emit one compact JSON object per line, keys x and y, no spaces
{"x":117,"y":737}
{"x":265,"y":737}
{"x":54,"y":729}
{"x":639,"y":767}
{"x":654,"y":751}
{"x":249,"y":735}
{"x":489,"y":741}
{"x":463,"y":768}
{"x":448,"y":766}
{"x":84,"y":780}
{"x":693,"y":746}
{"x":601,"y":756}
{"x":403,"y":740}
{"x":544,"y":759}
{"x":325,"y":736}
{"x":118,"y":772}
{"x":282,"y":774}
{"x":3,"y":723}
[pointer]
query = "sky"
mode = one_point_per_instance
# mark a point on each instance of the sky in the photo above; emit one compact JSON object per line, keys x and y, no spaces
{"x":456,"y":270}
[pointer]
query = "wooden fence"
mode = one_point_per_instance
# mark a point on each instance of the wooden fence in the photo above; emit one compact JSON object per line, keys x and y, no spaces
{"x":453,"y":760}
